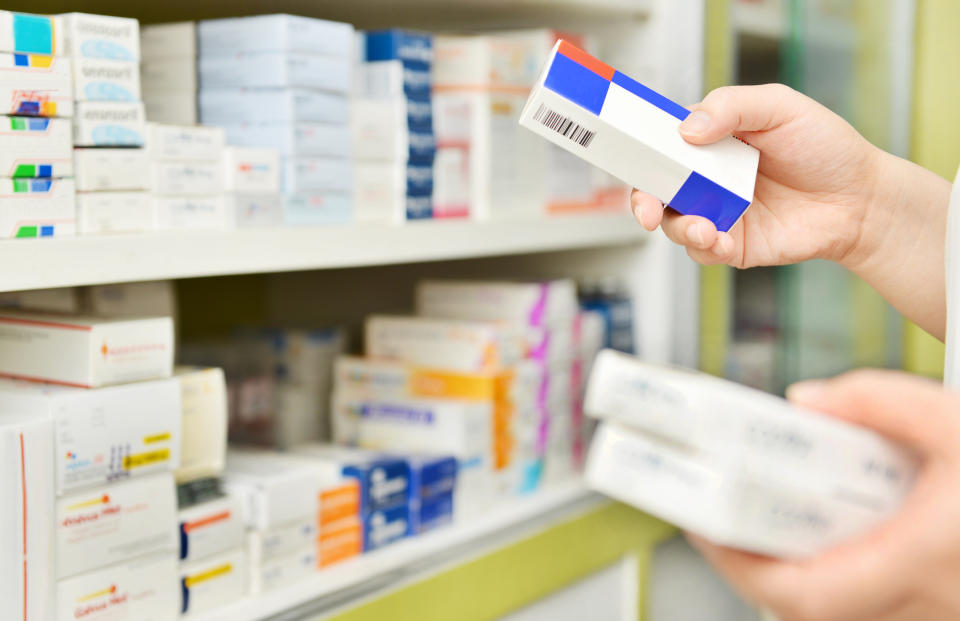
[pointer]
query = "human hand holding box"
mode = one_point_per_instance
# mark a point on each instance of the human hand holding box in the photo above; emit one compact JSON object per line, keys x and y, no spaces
{"x":630,"y":131}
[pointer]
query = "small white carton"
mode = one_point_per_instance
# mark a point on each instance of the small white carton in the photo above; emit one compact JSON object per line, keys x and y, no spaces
{"x":191,"y":212}
{"x":101,"y":213}
{"x":31,"y":34}
{"x":109,"y":124}
{"x":212,"y":582}
{"x":98,"y":79}
{"x":143,"y":589}
{"x":169,"y":74}
{"x":250,"y":170}
{"x":173,"y":40}
{"x":85,"y":351}
{"x":204,"y":402}
{"x":382,"y":131}
{"x":96,"y":439}
{"x":382,"y":192}
{"x":35,"y":147}
{"x":174,"y":107}
{"x":265,"y":105}
{"x":317,"y":208}
{"x":37,"y":208}
{"x":309,"y":174}
{"x":34,"y":85}
{"x":303,"y":139}
{"x":273,"y":489}
{"x":280,"y":572}
{"x":102,"y":526}
{"x":169,"y":178}
{"x":111,"y":170}
{"x":210,"y":528}
{"x":530,"y":303}
{"x":254,"y":210}
{"x":26,"y":516}
{"x":181,"y":143}
{"x":101,"y":36}
{"x":283,"y":540}
{"x":287,"y":33}
{"x":277,"y":69}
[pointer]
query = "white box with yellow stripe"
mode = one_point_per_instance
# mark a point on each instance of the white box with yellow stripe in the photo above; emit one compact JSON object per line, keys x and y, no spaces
{"x":212,"y":582}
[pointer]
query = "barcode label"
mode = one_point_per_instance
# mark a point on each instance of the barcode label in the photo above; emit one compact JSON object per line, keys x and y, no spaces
{"x":564,"y":126}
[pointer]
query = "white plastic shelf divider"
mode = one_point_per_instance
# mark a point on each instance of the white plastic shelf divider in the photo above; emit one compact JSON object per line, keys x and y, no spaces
{"x":75,"y":261}
{"x":513,"y":517}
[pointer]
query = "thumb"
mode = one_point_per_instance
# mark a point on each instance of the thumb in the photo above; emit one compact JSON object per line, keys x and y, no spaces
{"x":740,"y":109}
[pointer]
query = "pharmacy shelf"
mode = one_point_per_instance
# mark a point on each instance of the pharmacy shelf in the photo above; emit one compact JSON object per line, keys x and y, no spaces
{"x":356,"y":578}
{"x":73,"y":261}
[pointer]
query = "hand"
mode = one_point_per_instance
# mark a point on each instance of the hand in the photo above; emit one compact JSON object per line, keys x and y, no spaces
{"x":905,"y":570}
{"x":815,"y":184}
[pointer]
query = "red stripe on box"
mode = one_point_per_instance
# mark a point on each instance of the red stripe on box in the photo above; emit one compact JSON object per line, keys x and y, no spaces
{"x":46,"y":324}
{"x":582,"y":58}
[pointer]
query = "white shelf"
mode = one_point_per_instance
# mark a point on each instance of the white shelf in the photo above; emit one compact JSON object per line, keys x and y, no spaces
{"x":72,"y":261}
{"x":512,"y":520}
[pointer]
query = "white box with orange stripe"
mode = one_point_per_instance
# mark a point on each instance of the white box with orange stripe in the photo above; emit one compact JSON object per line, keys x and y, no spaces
{"x":210,"y":528}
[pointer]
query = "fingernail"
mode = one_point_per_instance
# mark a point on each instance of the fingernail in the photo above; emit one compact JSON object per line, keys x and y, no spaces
{"x":637,"y":212}
{"x":694,"y":233}
{"x":697,"y":123}
{"x":725,"y":245}
{"x":805,"y":392}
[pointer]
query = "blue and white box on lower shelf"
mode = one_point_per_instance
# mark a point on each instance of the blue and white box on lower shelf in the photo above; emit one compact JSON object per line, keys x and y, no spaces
{"x":35,"y":147}
{"x":300,"y":139}
{"x":287,"y":33}
{"x":432,"y":476}
{"x":317,"y":208}
{"x":109,"y":124}
{"x":277,"y":70}
{"x":385,"y":526}
{"x":37,"y":207}
{"x":239,"y":105}
{"x":212,"y":582}
{"x":431,"y":513}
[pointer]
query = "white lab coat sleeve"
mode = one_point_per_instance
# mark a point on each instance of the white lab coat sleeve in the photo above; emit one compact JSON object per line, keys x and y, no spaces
{"x":951,"y":374}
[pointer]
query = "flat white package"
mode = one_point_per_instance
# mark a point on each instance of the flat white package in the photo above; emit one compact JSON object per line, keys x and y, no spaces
{"x":173,"y":40}
{"x":35,"y":147}
{"x":277,"y":69}
{"x":102,"y":526}
{"x":26,"y":516}
{"x":273,"y":489}
{"x":623,"y":127}
{"x":307,"y":174}
{"x":180,"y":143}
{"x":111,"y":169}
{"x":254,"y":210}
{"x":101,"y":213}
{"x":210,"y":528}
{"x":42,"y":86}
{"x":108,"y":124}
{"x":85,"y":351}
{"x":101,"y":36}
{"x":191,"y":212}
{"x":204,"y":406}
{"x":142,"y":589}
{"x":37,"y":208}
{"x":280,"y":572}
{"x":289,"y":33}
{"x":261,"y":105}
{"x":31,"y":34}
{"x":96,"y":438}
{"x":251,"y":170}
{"x":186,"y":178}
{"x":169,"y":74}
{"x":213,"y":582}
{"x":283,"y":540}
{"x":317,"y":208}
{"x":293,"y":139}
{"x":176,"y":107}
{"x":97,"y":79}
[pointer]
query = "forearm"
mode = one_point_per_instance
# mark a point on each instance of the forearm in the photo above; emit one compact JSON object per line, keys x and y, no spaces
{"x":902,"y":243}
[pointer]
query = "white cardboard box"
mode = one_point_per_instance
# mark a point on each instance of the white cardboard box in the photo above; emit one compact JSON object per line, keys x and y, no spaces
{"x":282,"y":571}
{"x":98,"y":79}
{"x":101,"y":213}
{"x":43,"y":87}
{"x":169,"y":178}
{"x":37,"y":208}
{"x":111,"y":169}
{"x":530,"y":303}
{"x":381,"y":192}
{"x":174,"y":40}
{"x":212,"y":582}
{"x":101,"y":36}
{"x":204,"y":403}
{"x":191,"y":212}
{"x":35,"y":147}
{"x":382,"y":132}
{"x":31,"y":34}
{"x":283,"y":540}
{"x":175,"y":107}
{"x":181,"y":143}
{"x":143,"y":589}
{"x":310,"y":174}
{"x":169,"y":74}
{"x":317,"y":208}
{"x":303,"y":139}
{"x":85,"y":351}
{"x":250,"y":170}
{"x":109,"y":124}
{"x":274,"y":490}
{"x":96,"y":438}
{"x":288,"y":33}
{"x":210,"y":528}
{"x":265,"y":105}
{"x":26,"y":516}
{"x":254,"y":210}
{"x":275,"y":69}
{"x":102,"y":526}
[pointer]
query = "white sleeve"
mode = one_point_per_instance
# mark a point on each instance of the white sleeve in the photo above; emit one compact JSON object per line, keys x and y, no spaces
{"x":951,"y":374}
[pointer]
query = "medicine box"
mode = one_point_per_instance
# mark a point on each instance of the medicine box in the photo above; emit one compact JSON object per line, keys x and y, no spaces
{"x":380,"y":195}
{"x":142,"y":589}
{"x":35,"y":147}
{"x":96,"y":439}
{"x":108,"y":124}
{"x":132,"y":299}
{"x":251,"y":170}
{"x":385,"y":526}
{"x":31,"y":34}
{"x":339,"y":501}
{"x":261,"y":105}
{"x":210,"y":528}
{"x":26,"y":516}
{"x":115,"y":212}
{"x":203,"y":394}
{"x":191,"y":212}
{"x":283,"y":540}
{"x":101,"y":36}
{"x":309,"y":174}
{"x":60,"y":300}
{"x":173,"y":40}
{"x":277,"y":69}
{"x":105,"y":525}
{"x":432,"y":476}
{"x":431,"y":513}
{"x":186,"y":178}
{"x":85,"y":351}
{"x":273,"y":489}
{"x":382,"y":132}
{"x":392,"y":79}
{"x":317,"y":208}
{"x":280,"y":572}
{"x":111,"y":169}
{"x":287,"y":33}
{"x":169,"y":74}
{"x":400,"y":180}
{"x":623,"y":127}
{"x":410,"y":47}
{"x":340,"y":541}
{"x":254,"y":210}
{"x":37,"y":208}
{"x":181,"y":143}
{"x":96,"y":79}
{"x":175,"y":107}
{"x":212,"y":582}
{"x":538,"y":303}
{"x":293,"y":139}
{"x":35,"y":85}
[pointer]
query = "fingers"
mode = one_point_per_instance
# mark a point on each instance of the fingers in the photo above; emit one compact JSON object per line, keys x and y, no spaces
{"x":647,"y":209}
{"x":704,"y":243}
{"x":740,"y":109}
{"x":911,"y":411}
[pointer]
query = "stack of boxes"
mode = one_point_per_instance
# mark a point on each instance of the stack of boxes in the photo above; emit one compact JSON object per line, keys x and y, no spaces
{"x":394,"y":144}
{"x":36,"y":163}
{"x":252,"y":182}
{"x":288,"y":79}
{"x":111,"y":167}
{"x":169,"y":72}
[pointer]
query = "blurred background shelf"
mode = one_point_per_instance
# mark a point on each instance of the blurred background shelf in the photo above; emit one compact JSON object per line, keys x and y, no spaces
{"x":67,"y":262}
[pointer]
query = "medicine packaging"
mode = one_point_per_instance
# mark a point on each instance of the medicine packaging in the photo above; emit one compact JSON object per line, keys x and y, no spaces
{"x":283,"y":540}
{"x":174,"y":107}
{"x":262,"y":105}
{"x":385,"y":526}
{"x":286,"y":33}
{"x":254,"y":210}
{"x":35,"y":147}
{"x":274,"y":490}
{"x":410,"y":47}
{"x":115,"y":212}
{"x":169,"y":74}
{"x":111,"y":169}
{"x":26,"y":516}
{"x":210,"y":528}
{"x":212,"y":582}
{"x":182,"y":143}
{"x":382,"y":195}
{"x":301,"y":139}
{"x":317,"y":208}
{"x":31,"y":34}
{"x":431,"y":513}
{"x":143,"y":589}
{"x":529,"y":303}
{"x":97,"y":79}
{"x":339,"y":541}
{"x":132,"y":299}
{"x":310,"y":174}
{"x":382,"y":132}
{"x":172,"y":40}
{"x":191,"y":212}
{"x":60,"y":300}
{"x":96,"y":440}
{"x":339,"y":500}
{"x":35,"y":85}
{"x":266,"y":576}
{"x":168,"y":178}
{"x":204,"y":405}
{"x":37,"y":208}
{"x":390,"y":79}
{"x":108,"y":124}
{"x":251,"y":170}
{"x":101,"y":36}
{"x":101,"y":526}
{"x":277,"y":69}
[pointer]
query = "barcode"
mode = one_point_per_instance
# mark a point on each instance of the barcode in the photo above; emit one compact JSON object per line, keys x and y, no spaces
{"x":564,"y":126}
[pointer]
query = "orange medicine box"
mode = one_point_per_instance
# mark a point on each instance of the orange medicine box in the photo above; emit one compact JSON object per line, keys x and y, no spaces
{"x":339,"y":541}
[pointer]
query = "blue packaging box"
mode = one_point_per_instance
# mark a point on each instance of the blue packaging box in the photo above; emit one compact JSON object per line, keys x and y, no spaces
{"x":428,"y":514}
{"x":384,"y":483}
{"x":413,"y":48}
{"x":383,"y":527}
{"x":432,"y":476}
